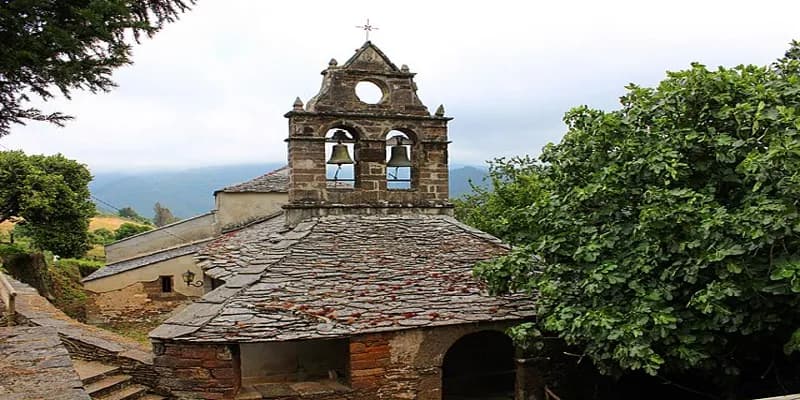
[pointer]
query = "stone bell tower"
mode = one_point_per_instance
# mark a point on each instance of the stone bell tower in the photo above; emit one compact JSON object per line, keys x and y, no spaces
{"x":337,"y":115}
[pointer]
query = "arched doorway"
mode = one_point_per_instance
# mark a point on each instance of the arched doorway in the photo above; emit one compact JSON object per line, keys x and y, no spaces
{"x":479,"y":366}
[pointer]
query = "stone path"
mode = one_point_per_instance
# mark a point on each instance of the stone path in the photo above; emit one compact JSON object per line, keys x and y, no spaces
{"x":124,"y":360}
{"x":35,"y":365}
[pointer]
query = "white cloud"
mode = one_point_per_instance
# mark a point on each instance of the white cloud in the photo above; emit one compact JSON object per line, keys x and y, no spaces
{"x":212,"y":88}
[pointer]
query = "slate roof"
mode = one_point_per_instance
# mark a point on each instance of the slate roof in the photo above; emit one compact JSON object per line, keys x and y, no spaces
{"x":336,"y":276}
{"x":145,"y":260}
{"x":276,"y":181}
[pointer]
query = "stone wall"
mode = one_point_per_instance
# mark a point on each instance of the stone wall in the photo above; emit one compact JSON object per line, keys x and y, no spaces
{"x":197,"y":371}
{"x":403,"y":364}
{"x":139,"y":302}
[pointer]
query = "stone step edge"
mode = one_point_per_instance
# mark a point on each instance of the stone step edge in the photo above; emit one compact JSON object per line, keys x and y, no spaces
{"x":107,"y":384}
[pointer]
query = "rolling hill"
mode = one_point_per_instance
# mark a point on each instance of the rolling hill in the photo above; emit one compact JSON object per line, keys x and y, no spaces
{"x":191,"y":192}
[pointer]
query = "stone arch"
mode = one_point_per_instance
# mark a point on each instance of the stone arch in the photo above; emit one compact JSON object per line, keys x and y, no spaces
{"x":479,"y":365}
{"x":401,"y":141}
{"x":340,"y":134}
{"x":356,"y":130}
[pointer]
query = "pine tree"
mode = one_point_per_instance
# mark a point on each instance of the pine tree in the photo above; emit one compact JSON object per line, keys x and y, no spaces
{"x":51,"y":47}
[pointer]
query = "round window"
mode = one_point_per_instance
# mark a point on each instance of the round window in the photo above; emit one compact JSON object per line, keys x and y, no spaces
{"x":369,"y":92}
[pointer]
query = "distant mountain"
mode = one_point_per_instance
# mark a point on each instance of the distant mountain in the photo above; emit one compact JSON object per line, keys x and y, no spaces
{"x":191,"y":192}
{"x":460,"y":179}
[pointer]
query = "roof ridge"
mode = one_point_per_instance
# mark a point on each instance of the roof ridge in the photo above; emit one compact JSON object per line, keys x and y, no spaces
{"x":243,"y":185}
{"x":93,"y":276}
{"x":251,"y":223}
{"x":476,"y":232}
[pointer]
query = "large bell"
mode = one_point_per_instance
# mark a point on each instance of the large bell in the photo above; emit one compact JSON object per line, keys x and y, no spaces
{"x":399,"y":157}
{"x":339,"y":155}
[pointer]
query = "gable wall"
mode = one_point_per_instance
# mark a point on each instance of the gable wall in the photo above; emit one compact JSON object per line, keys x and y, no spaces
{"x":237,"y":209}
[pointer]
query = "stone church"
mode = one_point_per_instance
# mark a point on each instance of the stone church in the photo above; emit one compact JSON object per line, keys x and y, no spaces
{"x":361,"y":288}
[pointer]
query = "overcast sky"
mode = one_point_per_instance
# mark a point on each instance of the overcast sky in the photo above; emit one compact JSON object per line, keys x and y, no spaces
{"x":212,"y":88}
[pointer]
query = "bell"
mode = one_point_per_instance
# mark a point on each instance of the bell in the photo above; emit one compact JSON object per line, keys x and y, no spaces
{"x":339,"y":155}
{"x":399,"y":157}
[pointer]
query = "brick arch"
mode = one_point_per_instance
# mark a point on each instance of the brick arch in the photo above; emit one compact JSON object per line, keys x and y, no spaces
{"x":410,"y":133}
{"x":354,"y":129}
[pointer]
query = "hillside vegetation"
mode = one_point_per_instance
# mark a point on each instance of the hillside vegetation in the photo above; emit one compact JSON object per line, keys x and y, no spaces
{"x":109,"y":222}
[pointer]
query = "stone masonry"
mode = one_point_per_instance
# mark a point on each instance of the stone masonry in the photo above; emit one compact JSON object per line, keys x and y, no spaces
{"x":198,"y":371}
{"x":337,"y":107}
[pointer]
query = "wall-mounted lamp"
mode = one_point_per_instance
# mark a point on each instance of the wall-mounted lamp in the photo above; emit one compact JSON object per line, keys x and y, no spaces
{"x":188,"y":277}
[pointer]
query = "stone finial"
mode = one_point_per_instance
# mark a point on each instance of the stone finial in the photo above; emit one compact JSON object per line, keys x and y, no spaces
{"x":440,"y":110}
{"x":332,"y":63}
{"x":404,"y":68}
{"x":298,"y":104}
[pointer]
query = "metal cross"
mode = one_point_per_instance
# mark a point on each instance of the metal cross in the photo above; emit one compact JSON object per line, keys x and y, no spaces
{"x":367,"y":28}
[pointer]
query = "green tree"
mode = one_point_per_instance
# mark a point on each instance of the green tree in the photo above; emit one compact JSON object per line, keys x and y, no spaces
{"x":102,"y":236}
{"x":51,"y":195}
{"x":59,"y":46}
{"x":663,"y":236}
{"x":128,"y":229}
{"x":162,"y":215}
{"x":128,"y":212}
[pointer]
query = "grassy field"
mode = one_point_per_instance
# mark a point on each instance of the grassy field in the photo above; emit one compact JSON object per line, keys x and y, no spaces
{"x":109,"y":222}
{"x":96,"y":253}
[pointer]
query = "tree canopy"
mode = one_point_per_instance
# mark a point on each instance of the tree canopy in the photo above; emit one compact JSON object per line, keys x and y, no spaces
{"x":162,"y":215}
{"x":51,"y":196}
{"x":663,"y":236}
{"x":56,"y":46}
{"x":128,"y":229}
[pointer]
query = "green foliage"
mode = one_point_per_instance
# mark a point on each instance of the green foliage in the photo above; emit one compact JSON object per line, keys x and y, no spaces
{"x":128,"y":229}
{"x":102,"y":236}
{"x":9,"y":250}
{"x":130,"y":213}
{"x":664,"y":236}
{"x":83,"y":266}
{"x":66,"y":45}
{"x":51,"y":195}
{"x":65,"y":288}
{"x":162,"y":215}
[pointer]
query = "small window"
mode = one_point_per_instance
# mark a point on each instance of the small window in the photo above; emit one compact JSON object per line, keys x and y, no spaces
{"x":166,"y":284}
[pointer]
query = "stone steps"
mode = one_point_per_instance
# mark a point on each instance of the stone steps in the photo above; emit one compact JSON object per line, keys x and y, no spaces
{"x":107,"y":385}
{"x":105,"y":382}
{"x":93,"y":371}
{"x":125,"y":393}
